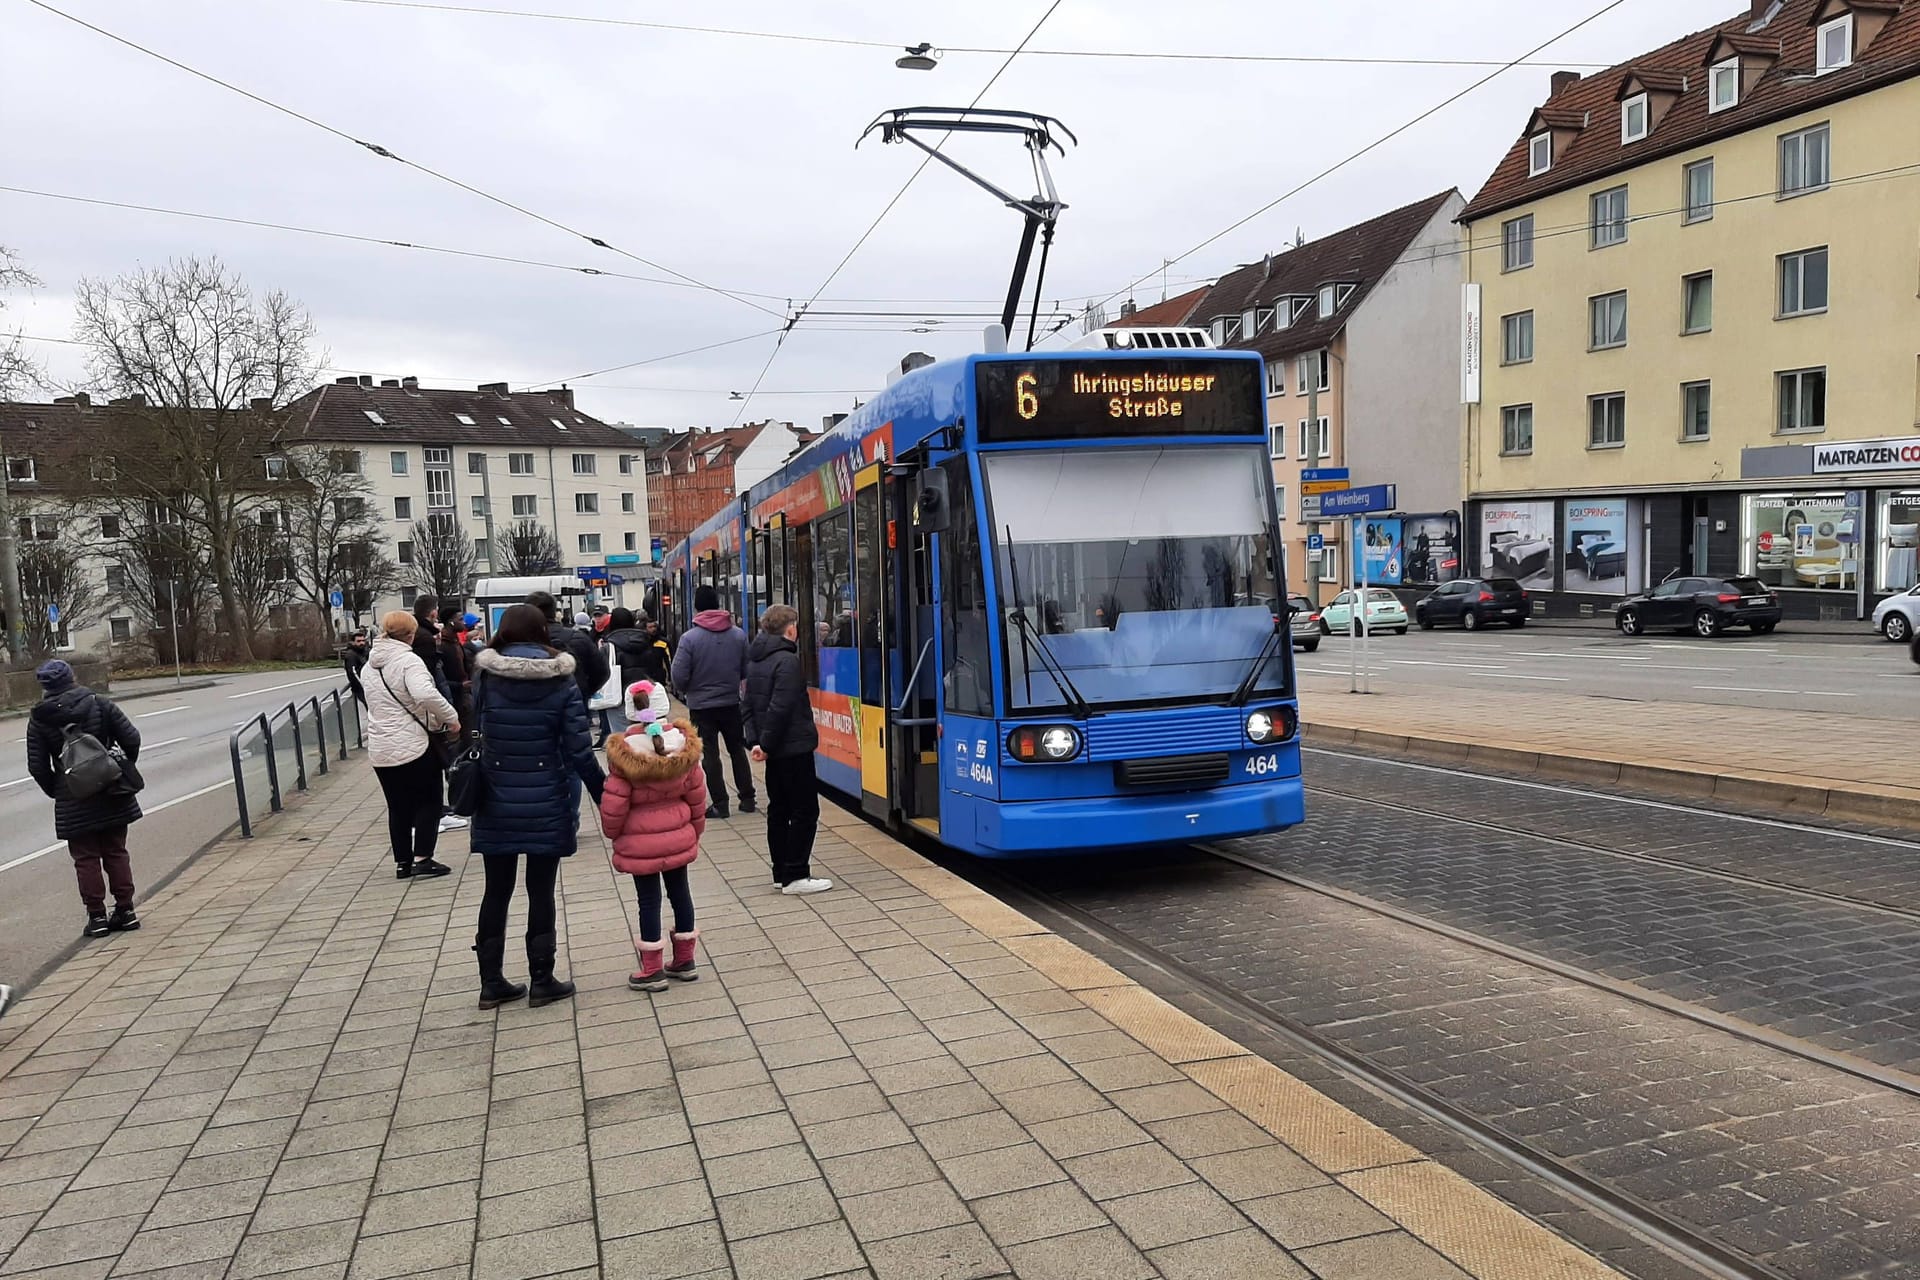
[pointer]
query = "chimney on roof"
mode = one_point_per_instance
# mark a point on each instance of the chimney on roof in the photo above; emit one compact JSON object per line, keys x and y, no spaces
{"x":1561,"y":79}
{"x":498,"y":388}
{"x":132,"y":400}
{"x":78,"y":400}
{"x":563,"y":394}
{"x":366,"y":379}
{"x":410,"y":384}
{"x":1127,"y":308}
{"x":389,"y":382}
{"x":832,"y":420}
{"x":1761,"y":12}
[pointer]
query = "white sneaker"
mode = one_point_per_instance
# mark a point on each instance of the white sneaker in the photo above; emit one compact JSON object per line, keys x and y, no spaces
{"x":453,"y":822}
{"x":812,"y":884}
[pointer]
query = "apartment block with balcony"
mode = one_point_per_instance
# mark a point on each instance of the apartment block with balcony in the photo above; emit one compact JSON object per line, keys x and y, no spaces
{"x":1694,"y":280}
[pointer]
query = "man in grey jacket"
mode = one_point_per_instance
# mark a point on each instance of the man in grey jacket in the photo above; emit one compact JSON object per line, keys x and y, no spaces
{"x":708,"y":671}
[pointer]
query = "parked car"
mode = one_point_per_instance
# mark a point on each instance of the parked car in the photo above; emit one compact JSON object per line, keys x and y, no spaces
{"x":1474,"y":603}
{"x":1384,"y":613}
{"x":1898,"y":617}
{"x":1705,"y":606}
{"x":1303,"y":623}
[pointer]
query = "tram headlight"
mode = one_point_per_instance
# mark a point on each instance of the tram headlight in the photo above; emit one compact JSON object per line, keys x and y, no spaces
{"x":1044,"y":743}
{"x":1260,"y":727}
{"x":1269,"y":724}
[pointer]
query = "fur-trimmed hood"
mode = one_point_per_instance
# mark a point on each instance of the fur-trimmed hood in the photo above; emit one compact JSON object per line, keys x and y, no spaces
{"x":510,"y":666}
{"x":642,"y":764}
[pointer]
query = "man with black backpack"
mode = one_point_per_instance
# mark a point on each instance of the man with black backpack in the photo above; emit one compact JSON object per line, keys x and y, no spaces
{"x":81,"y":750}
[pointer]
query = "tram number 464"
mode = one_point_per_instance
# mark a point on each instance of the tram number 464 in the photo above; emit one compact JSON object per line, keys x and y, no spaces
{"x":1260,"y":766}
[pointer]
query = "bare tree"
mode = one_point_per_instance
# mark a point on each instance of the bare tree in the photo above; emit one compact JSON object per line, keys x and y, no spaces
{"x":334,"y":538}
{"x":208,"y":367}
{"x":55,"y":584}
{"x":168,"y":582}
{"x":531,"y":550}
{"x":17,"y":370}
{"x":443,"y":558}
{"x":261,"y":567}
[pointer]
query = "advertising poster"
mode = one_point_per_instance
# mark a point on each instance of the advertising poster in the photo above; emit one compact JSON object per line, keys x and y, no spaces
{"x":836,"y":716}
{"x":1805,"y":542}
{"x":1516,"y":541}
{"x":1384,"y":552}
{"x":1432,"y":546}
{"x":1598,"y":539}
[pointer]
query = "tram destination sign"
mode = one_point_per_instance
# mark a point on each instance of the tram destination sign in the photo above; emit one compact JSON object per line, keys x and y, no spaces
{"x":1054,"y":399}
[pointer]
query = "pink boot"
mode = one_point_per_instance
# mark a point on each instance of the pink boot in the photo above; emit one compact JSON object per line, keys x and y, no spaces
{"x":650,"y":977}
{"x":683,"y":968}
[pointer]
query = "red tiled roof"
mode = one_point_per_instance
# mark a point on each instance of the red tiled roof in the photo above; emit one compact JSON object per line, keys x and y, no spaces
{"x":1170,"y":313}
{"x":1787,"y":87}
{"x":1358,"y":256}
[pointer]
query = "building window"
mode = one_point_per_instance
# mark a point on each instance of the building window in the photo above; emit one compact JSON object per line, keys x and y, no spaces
{"x":1633,"y":118}
{"x":519,"y":464}
{"x":120,"y":630}
{"x":1696,"y":410}
{"x":39,"y":528}
{"x":1516,"y":338}
{"x":1835,"y":45}
{"x":586,"y":504}
{"x":1724,"y":88}
{"x":583,"y":464}
{"x":1803,"y":400}
{"x":1313,"y":367}
{"x":626,"y":464}
{"x":1327,"y":303}
{"x":345,"y":462}
{"x":408,"y":595}
{"x":106,"y":468}
{"x":404,"y":550}
{"x":627,"y":504}
{"x":1516,"y":429}
{"x":439,"y":457}
{"x":526,"y":506}
{"x":1607,"y":421}
{"x":1516,"y":244}
{"x":1539,"y":154}
{"x":479,"y":507}
{"x":464,"y":419}
{"x":1277,"y":379}
{"x":116,"y":577}
{"x":589,"y":544}
{"x":374,"y":418}
{"x":1608,"y":219}
{"x":1316,"y":439}
{"x":1805,"y":159}
{"x":1276,"y":439}
{"x":276,"y":467}
{"x":1330,"y":562}
{"x":630,"y":541}
{"x":1698,"y":188}
{"x":109,"y":526}
{"x":1697,"y":302}
{"x":1803,"y":282}
{"x":439,"y":488}
{"x":480,"y":549}
{"x":476,"y":464}
{"x":1608,"y":316}
{"x":398,"y":460}
{"x":403,"y":508}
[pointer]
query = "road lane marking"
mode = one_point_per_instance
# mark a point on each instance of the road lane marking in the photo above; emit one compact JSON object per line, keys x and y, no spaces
{"x":1683,"y":666}
{"x":25,"y":858}
{"x":1591,"y":657}
{"x":1465,"y":666}
{"x":1821,"y":693}
{"x":169,"y":711}
{"x":1505,"y":675}
{"x":274,"y":688}
{"x":16,"y":782}
{"x":1744,"y":688}
{"x":155,"y":746}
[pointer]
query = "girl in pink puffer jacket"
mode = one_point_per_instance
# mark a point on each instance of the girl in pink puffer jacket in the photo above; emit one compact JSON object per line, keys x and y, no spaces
{"x":654,"y":810}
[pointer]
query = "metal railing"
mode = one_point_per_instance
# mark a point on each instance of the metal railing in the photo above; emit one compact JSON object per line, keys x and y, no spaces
{"x":275,"y":751}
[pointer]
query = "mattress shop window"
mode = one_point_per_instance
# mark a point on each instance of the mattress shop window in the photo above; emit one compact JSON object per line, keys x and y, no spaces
{"x":1802,"y":541}
{"x":1899,"y":539}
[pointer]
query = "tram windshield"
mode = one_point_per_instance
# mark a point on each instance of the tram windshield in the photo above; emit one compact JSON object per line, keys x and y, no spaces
{"x":1143,"y":574}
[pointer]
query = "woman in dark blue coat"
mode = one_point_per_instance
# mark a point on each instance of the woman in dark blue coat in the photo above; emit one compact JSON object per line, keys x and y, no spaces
{"x":538,"y":752}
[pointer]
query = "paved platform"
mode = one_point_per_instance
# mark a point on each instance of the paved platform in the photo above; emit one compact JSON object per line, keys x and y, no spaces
{"x":1738,"y":754}
{"x":284,"y":1074}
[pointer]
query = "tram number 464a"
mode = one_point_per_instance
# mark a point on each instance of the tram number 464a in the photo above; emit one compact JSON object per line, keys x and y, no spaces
{"x":981,"y":773}
{"x":1260,"y":766}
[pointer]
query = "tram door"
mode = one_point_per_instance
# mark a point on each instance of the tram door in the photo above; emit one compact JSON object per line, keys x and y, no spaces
{"x":913,"y":738}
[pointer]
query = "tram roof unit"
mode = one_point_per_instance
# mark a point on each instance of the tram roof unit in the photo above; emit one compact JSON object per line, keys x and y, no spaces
{"x":927,"y":399}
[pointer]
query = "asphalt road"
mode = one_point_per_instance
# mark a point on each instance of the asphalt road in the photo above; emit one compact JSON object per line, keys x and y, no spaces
{"x":1839,"y":674}
{"x":188,"y":801}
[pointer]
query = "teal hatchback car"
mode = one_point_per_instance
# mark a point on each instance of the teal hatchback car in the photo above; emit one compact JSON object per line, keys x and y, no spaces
{"x":1384,"y":613}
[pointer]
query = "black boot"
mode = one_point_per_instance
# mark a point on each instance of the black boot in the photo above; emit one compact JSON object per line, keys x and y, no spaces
{"x":495,"y":990}
{"x":543,"y":987}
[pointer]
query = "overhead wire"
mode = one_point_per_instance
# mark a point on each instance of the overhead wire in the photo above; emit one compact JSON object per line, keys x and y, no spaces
{"x":383,"y":152}
{"x":849,"y":42}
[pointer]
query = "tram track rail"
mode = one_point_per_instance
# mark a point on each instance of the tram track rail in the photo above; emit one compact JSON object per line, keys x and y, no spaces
{"x":1706,"y":1256}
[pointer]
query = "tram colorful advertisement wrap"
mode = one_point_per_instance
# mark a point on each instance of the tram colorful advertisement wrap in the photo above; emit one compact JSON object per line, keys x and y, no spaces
{"x":837,"y":718}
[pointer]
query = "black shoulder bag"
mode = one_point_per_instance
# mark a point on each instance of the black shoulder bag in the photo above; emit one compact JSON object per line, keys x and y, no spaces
{"x":467,"y":779}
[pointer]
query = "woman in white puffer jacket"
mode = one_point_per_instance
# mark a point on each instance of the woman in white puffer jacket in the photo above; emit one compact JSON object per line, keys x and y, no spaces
{"x":404,"y":713}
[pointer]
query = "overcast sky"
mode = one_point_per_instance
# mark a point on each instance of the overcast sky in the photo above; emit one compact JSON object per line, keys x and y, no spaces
{"x":727,"y":158}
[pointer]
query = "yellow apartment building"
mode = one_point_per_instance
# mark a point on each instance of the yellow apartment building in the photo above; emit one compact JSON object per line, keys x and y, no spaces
{"x":1693,"y":290}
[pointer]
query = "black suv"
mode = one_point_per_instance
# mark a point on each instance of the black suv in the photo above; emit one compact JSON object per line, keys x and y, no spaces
{"x":1473,"y":603}
{"x":1704,"y":606}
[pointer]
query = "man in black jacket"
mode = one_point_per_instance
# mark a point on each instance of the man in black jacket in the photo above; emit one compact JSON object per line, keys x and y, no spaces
{"x":94,"y":826}
{"x":779,"y":728}
{"x":589,"y":665}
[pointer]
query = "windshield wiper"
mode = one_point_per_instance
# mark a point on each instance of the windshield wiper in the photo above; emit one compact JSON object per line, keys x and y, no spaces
{"x":1048,"y":663}
{"x":1245,"y":691}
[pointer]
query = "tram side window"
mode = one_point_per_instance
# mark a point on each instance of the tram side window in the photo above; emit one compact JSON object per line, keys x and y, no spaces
{"x":867,"y":560}
{"x":757,"y":577}
{"x":963,"y":603}
{"x":779,"y":593}
{"x":833,"y":582}
{"x":801,"y":565}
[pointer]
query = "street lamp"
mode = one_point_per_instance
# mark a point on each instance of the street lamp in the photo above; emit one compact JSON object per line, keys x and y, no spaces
{"x":919,"y":57}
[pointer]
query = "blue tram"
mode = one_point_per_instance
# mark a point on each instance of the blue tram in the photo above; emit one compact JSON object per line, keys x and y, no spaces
{"x":1040,"y":600}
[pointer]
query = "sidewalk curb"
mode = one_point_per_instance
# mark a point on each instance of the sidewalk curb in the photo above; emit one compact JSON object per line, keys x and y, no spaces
{"x":161,"y":693}
{"x":1747,"y":790}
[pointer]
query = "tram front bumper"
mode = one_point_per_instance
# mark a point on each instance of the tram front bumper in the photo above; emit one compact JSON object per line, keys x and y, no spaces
{"x":1138,"y":821}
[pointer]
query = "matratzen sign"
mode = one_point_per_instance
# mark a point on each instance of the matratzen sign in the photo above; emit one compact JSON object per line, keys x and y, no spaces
{"x":1901,"y":454}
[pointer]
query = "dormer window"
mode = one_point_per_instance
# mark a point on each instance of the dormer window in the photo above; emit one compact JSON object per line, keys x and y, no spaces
{"x":1835,"y":44}
{"x":374,"y":417}
{"x":1723,"y":85}
{"x":1539,"y":154}
{"x":1329,"y":296}
{"x":1633,"y":118}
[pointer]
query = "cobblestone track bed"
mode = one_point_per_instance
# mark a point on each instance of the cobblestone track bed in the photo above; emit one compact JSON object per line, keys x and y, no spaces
{"x":1808,"y":1171}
